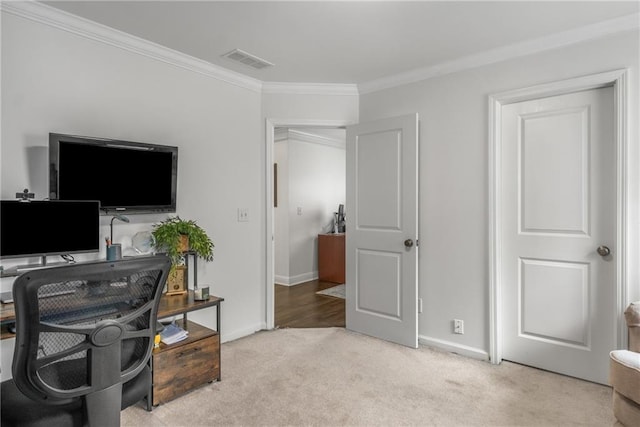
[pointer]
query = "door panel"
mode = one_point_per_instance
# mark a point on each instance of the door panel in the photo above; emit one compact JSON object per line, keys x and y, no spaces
{"x":554,"y":171}
{"x":566,"y":316}
{"x":379,"y":289}
{"x":558,"y":206}
{"x":382,"y":212}
{"x":378,"y":180}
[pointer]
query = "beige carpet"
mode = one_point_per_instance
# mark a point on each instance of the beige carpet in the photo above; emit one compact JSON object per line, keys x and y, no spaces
{"x":333,"y":377}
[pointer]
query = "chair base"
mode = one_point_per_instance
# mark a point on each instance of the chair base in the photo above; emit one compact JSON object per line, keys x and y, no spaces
{"x":19,"y":410}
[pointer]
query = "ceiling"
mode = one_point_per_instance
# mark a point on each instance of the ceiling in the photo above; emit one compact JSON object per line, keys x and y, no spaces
{"x":339,"y":41}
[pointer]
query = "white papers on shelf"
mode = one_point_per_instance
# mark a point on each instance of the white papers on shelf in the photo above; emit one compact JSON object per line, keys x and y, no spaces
{"x":172,"y":334}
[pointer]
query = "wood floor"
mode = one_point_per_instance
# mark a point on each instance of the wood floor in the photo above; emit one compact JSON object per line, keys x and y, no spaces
{"x":299,"y":307}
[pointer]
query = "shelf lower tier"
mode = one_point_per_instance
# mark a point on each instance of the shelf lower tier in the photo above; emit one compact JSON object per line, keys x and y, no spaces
{"x":181,"y":367}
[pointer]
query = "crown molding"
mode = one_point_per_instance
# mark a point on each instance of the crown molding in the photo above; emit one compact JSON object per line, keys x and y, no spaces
{"x":295,"y":135}
{"x":56,"y":18}
{"x":301,"y":136}
{"x":309,"y":88}
{"x":280,"y":134}
{"x":525,"y":48}
{"x":74,"y":24}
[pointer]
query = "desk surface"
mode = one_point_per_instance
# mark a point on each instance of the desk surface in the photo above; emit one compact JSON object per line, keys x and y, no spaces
{"x":169,"y":306}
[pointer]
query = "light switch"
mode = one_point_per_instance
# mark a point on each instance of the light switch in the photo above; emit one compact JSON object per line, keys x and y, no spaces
{"x":243,"y":215}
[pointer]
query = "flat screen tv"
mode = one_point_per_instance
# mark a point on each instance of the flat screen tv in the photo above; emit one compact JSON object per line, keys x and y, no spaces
{"x":41,"y":228}
{"x":124,"y":176}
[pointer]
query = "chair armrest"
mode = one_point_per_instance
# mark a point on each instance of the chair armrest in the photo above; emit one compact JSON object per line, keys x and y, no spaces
{"x":632,"y":316}
{"x":629,"y":359}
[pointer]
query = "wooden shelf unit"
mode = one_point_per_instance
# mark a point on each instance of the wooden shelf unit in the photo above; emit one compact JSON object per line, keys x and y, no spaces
{"x":181,"y":367}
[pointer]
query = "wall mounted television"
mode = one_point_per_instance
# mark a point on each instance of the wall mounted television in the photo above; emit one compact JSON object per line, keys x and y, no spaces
{"x":42,"y":228}
{"x":124,"y":176}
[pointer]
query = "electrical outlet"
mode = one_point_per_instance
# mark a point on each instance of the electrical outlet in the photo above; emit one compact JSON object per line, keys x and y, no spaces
{"x":458,"y":326}
{"x":243,"y":215}
{"x":299,"y":210}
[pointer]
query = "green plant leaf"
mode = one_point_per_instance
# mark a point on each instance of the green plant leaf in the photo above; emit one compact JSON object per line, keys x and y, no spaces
{"x":167,"y":233}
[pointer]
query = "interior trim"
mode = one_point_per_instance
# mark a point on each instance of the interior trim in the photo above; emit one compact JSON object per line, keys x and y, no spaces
{"x":86,"y":28}
{"x":297,"y":279}
{"x":453,"y":347}
{"x":504,"y":53}
{"x":57,"y":18}
{"x":269,"y":267}
{"x":618,"y":80}
{"x":296,"y":135}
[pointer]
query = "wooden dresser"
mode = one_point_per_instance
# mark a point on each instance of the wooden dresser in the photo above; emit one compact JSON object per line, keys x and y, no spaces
{"x":331,"y":257}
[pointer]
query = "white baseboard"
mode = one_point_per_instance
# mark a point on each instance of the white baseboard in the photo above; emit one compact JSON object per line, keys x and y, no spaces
{"x":281,"y":280}
{"x":296,"y":280}
{"x":461,"y":349}
{"x":452,"y":347}
{"x":241,"y":333}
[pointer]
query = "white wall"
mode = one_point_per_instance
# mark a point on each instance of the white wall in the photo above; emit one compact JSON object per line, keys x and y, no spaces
{"x":310,"y":107}
{"x":56,"y":81}
{"x":453,"y":163}
{"x":59,"y":81}
{"x":315,"y":168}
{"x":281,"y":212}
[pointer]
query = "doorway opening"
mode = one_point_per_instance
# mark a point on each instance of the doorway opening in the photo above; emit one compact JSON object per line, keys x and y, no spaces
{"x":309,"y":186}
{"x":305,"y":178}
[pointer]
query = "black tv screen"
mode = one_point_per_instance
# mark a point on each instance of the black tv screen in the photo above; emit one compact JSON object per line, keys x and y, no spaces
{"x":124,"y":176}
{"x":40,"y":228}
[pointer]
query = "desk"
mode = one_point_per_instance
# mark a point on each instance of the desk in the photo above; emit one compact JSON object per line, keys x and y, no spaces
{"x":169,"y":306}
{"x":180,"y":367}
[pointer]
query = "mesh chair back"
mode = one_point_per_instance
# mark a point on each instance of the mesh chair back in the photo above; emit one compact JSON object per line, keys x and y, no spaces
{"x":85,"y":327}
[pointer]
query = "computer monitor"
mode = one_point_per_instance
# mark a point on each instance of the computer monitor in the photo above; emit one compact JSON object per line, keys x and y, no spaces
{"x":42,"y":228}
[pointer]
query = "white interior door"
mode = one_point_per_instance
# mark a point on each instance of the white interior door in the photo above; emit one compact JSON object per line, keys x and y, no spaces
{"x":382,"y":229}
{"x":559,"y":207}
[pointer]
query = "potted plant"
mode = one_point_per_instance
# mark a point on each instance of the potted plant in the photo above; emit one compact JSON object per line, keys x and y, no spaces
{"x":174,"y":236}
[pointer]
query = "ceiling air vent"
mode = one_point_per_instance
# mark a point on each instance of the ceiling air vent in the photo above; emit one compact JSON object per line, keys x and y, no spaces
{"x":247,"y":59}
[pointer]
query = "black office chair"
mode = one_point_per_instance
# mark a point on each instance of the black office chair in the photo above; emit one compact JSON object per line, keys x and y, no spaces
{"x":84,"y":335}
